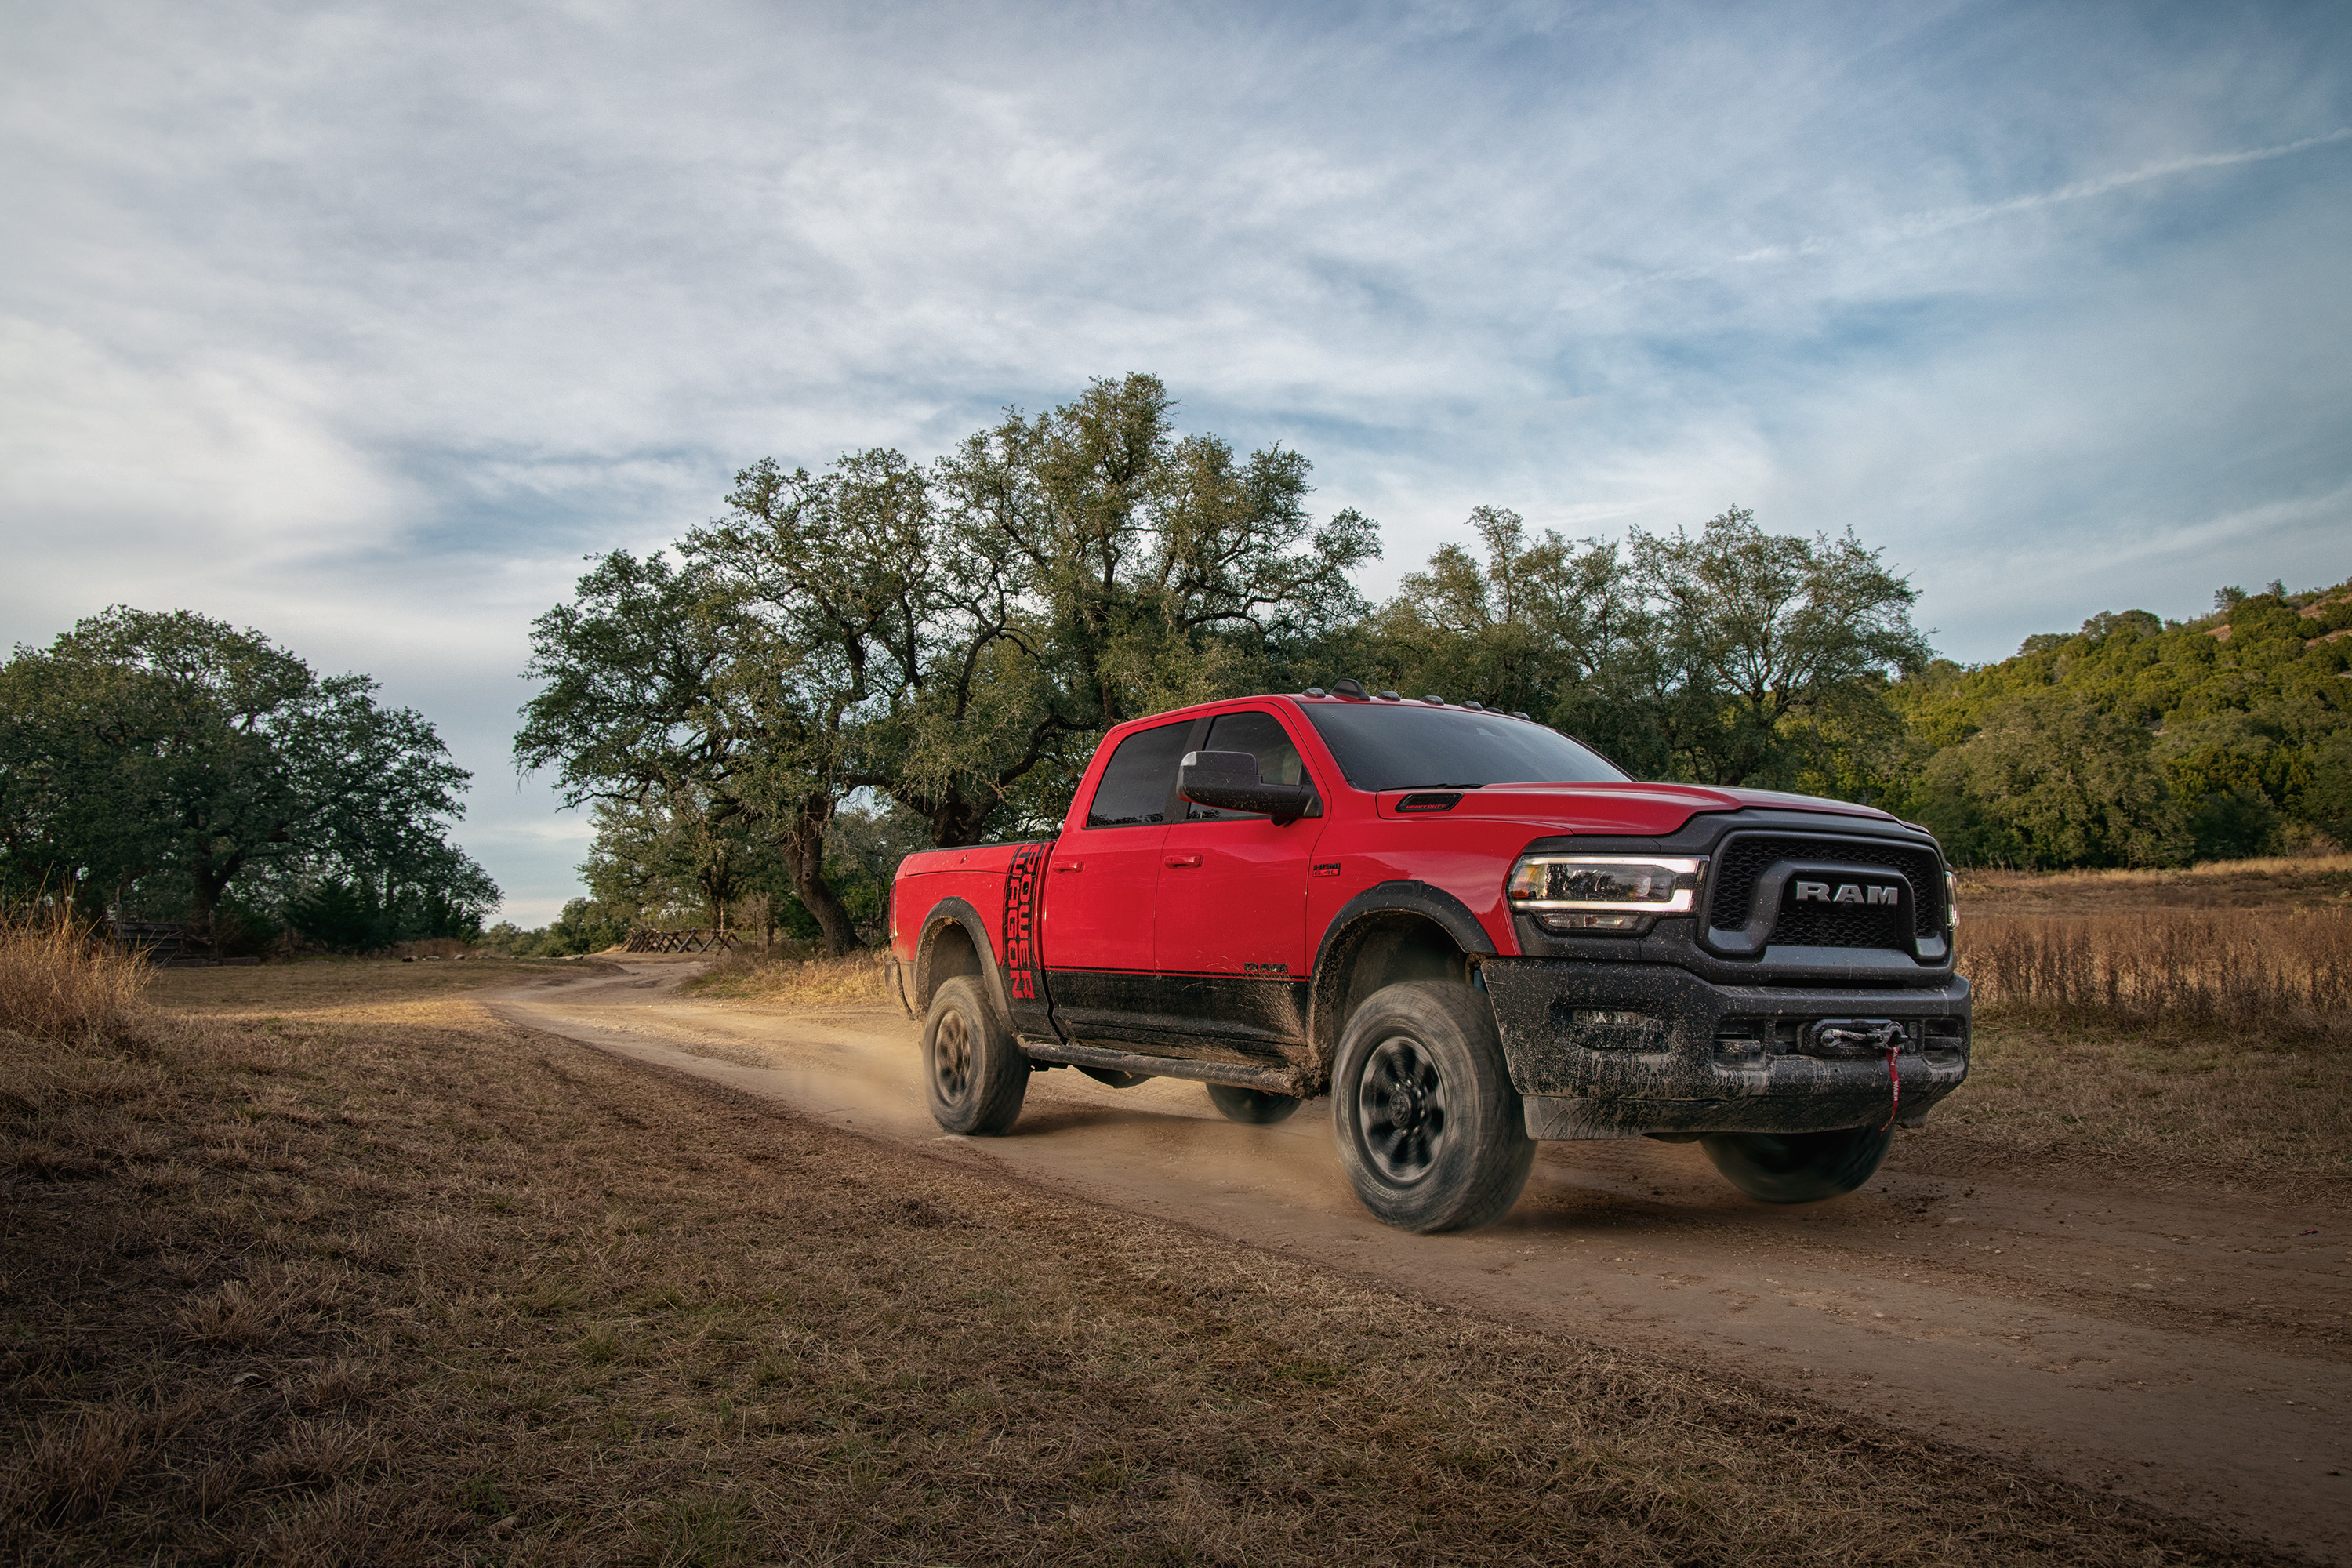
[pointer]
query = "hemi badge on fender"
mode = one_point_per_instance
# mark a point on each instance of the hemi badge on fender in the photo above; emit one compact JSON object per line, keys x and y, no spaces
{"x":1328,"y":869}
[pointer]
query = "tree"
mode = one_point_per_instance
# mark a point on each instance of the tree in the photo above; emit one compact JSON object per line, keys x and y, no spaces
{"x":659,"y":858}
{"x":1756,"y":628}
{"x":1734,"y":657}
{"x":1100,"y":566}
{"x":667,"y":692}
{"x":2050,"y":780}
{"x":837,"y":575}
{"x":359,"y":912}
{"x":951,"y":637}
{"x":173,"y":757}
{"x":1548,"y":627}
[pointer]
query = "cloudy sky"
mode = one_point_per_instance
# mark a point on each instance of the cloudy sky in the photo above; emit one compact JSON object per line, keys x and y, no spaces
{"x":361,"y":325}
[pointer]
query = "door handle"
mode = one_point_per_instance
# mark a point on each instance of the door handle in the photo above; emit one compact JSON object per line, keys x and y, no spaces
{"x":1069,"y":865}
{"x":1179,"y":862}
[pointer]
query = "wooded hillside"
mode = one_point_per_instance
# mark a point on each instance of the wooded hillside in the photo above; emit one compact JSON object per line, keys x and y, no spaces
{"x":2138,"y":740}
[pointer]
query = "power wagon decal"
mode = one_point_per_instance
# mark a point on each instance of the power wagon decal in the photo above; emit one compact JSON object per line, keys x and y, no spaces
{"x":1023,"y":884}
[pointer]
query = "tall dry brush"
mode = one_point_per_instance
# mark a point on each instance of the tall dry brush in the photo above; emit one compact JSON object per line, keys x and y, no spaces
{"x":2286,"y":975}
{"x":60,"y":980}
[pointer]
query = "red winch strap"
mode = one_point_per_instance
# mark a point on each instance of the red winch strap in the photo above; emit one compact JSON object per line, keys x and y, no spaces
{"x":1894,"y":1081}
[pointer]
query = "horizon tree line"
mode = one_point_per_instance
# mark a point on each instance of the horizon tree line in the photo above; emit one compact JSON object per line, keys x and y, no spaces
{"x":887,"y":654}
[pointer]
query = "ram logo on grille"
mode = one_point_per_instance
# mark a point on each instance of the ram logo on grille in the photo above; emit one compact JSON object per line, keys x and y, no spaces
{"x":1845,"y":893}
{"x":1895,"y":896}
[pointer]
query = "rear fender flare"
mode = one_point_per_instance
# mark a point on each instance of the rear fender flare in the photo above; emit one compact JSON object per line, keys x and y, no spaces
{"x":958,"y":912}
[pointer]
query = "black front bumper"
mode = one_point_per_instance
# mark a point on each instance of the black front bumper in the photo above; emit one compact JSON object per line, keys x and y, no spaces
{"x":1613,"y":1050}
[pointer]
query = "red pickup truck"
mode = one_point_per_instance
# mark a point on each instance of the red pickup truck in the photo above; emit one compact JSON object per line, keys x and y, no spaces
{"x":1472,"y":931}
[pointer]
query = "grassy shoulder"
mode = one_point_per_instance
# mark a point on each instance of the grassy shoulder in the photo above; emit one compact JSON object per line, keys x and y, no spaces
{"x":2189,"y":1028}
{"x":792,"y":976}
{"x":331,"y":1265}
{"x":2207,"y":1109}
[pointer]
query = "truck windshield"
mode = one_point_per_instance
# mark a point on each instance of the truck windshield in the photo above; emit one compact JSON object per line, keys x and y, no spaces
{"x":1396,"y":745}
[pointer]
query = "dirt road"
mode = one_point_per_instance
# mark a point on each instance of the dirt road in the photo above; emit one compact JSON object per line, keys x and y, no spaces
{"x":2192,"y":1354}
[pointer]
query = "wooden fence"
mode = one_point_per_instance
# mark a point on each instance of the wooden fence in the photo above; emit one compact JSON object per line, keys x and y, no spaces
{"x":165,"y":944}
{"x":696,"y":939}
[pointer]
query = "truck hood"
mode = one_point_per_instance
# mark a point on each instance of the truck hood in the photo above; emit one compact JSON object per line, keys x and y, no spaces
{"x":1636,"y":810}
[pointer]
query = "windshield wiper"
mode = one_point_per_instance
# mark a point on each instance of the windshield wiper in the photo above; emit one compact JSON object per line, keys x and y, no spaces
{"x":1438,"y":787}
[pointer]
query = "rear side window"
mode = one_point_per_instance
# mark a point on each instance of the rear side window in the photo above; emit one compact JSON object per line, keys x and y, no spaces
{"x":1141,"y":777}
{"x":1263,"y":737}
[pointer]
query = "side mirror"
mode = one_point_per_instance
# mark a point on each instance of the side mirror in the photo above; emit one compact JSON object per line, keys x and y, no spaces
{"x":1228,"y":781}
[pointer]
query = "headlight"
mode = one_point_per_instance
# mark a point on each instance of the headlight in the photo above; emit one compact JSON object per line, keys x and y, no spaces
{"x":1604,"y":892}
{"x":1951,"y":902}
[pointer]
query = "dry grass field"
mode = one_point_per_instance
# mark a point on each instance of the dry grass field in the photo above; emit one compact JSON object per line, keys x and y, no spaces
{"x":2309,"y":883}
{"x":326,"y":1263}
{"x":2191,"y":1027}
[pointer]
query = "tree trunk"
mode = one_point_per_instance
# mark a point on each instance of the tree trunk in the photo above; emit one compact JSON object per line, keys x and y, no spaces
{"x":804,"y":847}
{"x":208,"y":886}
{"x":955,"y":823}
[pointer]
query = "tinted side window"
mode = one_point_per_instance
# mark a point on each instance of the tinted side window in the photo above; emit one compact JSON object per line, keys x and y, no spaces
{"x":1142,"y":771}
{"x":1261,"y":736}
{"x":1403,"y":745}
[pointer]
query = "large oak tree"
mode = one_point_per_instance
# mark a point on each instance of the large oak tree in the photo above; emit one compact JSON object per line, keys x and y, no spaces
{"x":164,"y":759}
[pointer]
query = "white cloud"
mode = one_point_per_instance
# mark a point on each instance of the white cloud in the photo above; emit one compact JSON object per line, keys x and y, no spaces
{"x":146,"y":461}
{"x":1928,"y":225}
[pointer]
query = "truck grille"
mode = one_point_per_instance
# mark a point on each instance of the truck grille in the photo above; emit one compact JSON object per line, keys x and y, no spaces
{"x":1743,"y":858}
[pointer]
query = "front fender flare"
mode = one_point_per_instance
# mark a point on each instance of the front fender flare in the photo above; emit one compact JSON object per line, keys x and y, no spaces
{"x":1402,"y":896}
{"x":1414,"y":898}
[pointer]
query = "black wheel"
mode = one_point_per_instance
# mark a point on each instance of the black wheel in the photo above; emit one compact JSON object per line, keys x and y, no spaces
{"x":1432,"y":1134}
{"x":1256,"y":1107}
{"x":1798,"y":1167}
{"x":975,"y":1073}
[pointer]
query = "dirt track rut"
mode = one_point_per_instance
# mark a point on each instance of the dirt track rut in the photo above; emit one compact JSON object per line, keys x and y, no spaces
{"x":2193,"y":1354}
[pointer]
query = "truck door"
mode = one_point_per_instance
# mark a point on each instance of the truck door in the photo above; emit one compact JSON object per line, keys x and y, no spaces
{"x":1098,"y":890}
{"x":1231,"y":918}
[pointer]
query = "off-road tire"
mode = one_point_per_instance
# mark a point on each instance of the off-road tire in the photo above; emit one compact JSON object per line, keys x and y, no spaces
{"x":973,"y":1072}
{"x":1253,"y":1107}
{"x":1798,"y":1167}
{"x":1432,"y":1133}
